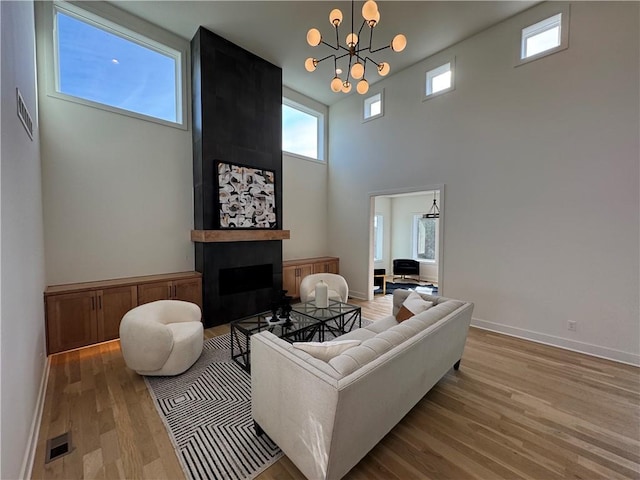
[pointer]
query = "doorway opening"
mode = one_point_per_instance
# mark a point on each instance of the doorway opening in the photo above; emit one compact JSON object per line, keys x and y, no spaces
{"x":406,"y":241}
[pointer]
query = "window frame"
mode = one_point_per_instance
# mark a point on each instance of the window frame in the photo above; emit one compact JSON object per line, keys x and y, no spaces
{"x":414,"y":239}
{"x":320,"y":116}
{"x":545,"y":14}
{"x":368,"y":101}
{"x":123,"y":25}
{"x":434,"y":66}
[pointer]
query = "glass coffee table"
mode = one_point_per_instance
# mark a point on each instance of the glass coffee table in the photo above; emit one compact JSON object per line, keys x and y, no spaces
{"x":307,"y":323}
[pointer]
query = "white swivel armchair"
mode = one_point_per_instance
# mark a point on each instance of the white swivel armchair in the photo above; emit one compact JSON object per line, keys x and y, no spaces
{"x":337,"y":286}
{"x":162,"y":338}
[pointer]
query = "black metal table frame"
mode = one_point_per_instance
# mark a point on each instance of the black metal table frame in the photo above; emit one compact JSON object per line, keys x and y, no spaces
{"x":336,"y":325}
{"x":241,"y":337}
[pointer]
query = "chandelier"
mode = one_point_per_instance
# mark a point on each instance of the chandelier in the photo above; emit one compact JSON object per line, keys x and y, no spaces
{"x":435,"y":211}
{"x":357,"y":53}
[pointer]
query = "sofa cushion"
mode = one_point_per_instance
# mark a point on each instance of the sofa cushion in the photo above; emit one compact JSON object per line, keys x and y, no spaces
{"x":326,"y":350}
{"x":358,"y":334}
{"x":434,"y":314}
{"x":394,"y":338}
{"x":407,"y":331}
{"x":382,"y":324}
{"x":413,"y":305}
{"x":321,"y":365}
{"x":379,"y":345}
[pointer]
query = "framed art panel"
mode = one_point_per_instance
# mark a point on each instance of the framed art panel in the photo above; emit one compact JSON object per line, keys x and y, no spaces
{"x":246,"y":196}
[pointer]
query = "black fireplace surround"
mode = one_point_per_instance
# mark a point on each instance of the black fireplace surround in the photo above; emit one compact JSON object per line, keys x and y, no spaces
{"x":237,"y":118}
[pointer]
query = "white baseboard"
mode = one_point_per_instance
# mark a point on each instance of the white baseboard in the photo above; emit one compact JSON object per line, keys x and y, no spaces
{"x":564,"y":343}
{"x":29,"y":456}
{"x":358,"y":295}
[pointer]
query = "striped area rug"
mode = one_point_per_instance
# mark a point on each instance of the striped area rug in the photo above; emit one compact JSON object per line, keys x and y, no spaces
{"x":207,"y":412}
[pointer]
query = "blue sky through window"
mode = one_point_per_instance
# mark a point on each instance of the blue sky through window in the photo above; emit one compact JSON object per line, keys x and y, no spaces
{"x":102,"y":67}
{"x":299,"y":132}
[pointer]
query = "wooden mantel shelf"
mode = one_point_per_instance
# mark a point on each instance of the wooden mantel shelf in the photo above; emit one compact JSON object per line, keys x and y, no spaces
{"x":211,"y":236}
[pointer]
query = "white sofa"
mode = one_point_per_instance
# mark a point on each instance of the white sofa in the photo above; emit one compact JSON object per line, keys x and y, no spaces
{"x":162,"y":338}
{"x":326,"y":416}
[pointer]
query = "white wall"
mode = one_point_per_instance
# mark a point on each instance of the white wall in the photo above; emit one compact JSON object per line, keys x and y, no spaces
{"x":118,"y":191}
{"x":22,"y":361}
{"x":304,"y":201}
{"x":382,"y":206}
{"x":522,"y":151}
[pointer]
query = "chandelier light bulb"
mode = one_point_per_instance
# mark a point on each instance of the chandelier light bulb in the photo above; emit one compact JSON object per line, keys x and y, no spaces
{"x":314,"y":37}
{"x":352,"y":40}
{"x":336,"y":84}
{"x":383,"y":69}
{"x":369,"y":10}
{"x":374,"y":21}
{"x":399,"y":43}
{"x":357,"y":70}
{"x":310,"y":64}
{"x":346,"y":86}
{"x":335,"y":17}
{"x":362,"y":87}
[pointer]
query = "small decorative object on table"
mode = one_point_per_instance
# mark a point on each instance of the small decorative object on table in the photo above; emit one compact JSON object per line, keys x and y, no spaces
{"x":322,"y":294}
{"x":281,"y":310}
{"x":275,"y":309}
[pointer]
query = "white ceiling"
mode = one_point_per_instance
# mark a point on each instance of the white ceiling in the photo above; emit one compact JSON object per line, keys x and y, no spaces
{"x":276,"y":31}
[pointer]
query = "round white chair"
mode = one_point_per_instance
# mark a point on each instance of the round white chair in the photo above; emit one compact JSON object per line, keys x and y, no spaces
{"x":337,"y":286}
{"x":162,"y":338}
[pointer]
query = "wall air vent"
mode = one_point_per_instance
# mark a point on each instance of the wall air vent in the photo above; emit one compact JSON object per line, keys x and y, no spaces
{"x":23,"y":115}
{"x":58,"y":447}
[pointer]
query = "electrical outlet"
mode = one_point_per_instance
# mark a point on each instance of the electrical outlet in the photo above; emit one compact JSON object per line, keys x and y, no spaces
{"x":571,"y":325}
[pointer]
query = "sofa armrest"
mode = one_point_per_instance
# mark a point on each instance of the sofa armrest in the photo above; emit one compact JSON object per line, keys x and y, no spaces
{"x":293,"y":402}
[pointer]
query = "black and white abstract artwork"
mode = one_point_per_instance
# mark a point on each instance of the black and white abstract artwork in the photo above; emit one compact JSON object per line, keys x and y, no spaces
{"x":246,"y":197}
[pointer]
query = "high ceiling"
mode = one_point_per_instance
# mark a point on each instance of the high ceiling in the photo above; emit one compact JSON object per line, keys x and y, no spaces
{"x":276,"y":31}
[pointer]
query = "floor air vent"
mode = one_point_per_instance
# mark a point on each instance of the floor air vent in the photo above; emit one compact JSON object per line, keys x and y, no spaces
{"x":58,"y":447}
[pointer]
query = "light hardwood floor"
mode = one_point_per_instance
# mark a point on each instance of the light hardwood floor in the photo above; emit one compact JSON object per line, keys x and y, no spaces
{"x":515,"y":409}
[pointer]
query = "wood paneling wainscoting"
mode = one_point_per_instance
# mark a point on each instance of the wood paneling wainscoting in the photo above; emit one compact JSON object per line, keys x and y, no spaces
{"x":81,"y":314}
{"x":514,"y":410}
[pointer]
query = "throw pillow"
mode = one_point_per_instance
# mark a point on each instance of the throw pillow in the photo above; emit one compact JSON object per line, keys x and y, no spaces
{"x":326,"y":350}
{"x":413,"y":305}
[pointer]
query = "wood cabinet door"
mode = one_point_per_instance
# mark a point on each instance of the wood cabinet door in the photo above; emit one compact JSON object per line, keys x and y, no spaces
{"x":150,"y":292}
{"x":113,"y":303}
{"x":303,"y":271}
{"x":71,"y":321}
{"x":320,"y":267}
{"x":326,"y":267}
{"x":333,"y":267}
{"x":290,"y":283}
{"x":188,"y":290}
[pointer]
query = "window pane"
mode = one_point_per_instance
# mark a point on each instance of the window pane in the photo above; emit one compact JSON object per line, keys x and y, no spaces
{"x":378,"y":232}
{"x":439,"y":79}
{"x":543,"y":41}
{"x":441,"y":82}
{"x":375,"y":108}
{"x":541,"y":36}
{"x":426,"y":239}
{"x":299,"y":132}
{"x":99,"y":66}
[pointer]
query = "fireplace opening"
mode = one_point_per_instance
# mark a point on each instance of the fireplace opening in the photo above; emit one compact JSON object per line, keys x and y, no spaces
{"x":245,"y":279}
